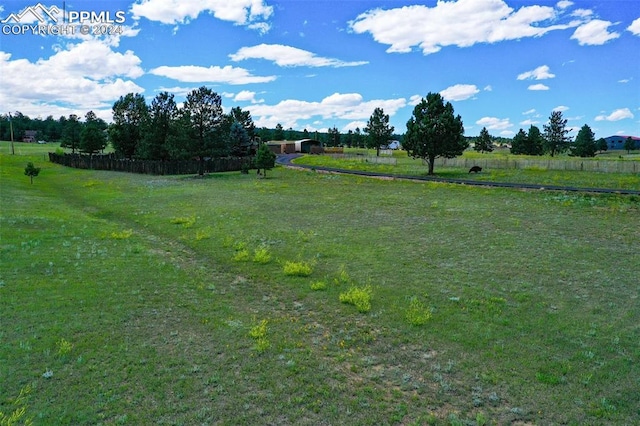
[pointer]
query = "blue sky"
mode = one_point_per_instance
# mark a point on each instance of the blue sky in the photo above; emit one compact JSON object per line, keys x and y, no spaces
{"x":316,"y":64}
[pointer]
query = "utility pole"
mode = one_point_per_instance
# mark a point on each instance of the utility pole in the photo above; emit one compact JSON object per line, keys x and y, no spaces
{"x":13,"y":151}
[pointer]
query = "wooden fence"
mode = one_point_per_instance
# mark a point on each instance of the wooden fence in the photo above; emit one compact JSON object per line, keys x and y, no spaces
{"x":112,"y":163}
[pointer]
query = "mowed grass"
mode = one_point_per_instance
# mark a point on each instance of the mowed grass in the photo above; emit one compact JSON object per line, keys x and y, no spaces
{"x":128,"y":299}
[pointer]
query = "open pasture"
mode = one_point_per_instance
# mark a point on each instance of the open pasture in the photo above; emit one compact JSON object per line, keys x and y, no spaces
{"x":132,"y":299}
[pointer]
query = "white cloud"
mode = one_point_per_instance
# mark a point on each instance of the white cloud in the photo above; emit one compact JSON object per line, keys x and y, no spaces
{"x":345,"y":106}
{"x":354,"y":125}
{"x":635,"y":27}
{"x":462,"y":23}
{"x":561,"y":108}
{"x":617,"y":115}
{"x":540,"y":73}
{"x":488,"y":88}
{"x":213,"y":74}
{"x":78,"y":78}
{"x":252,"y":13}
{"x":538,"y":87}
{"x":459,"y":92}
{"x":625,"y":80}
{"x":415,"y":100}
{"x":494,"y":123}
{"x":287,"y":56}
{"x":563,"y":4}
{"x":594,"y":33}
{"x":582,"y":13}
{"x":247,"y":96}
{"x":529,"y":122}
{"x":529,"y":112}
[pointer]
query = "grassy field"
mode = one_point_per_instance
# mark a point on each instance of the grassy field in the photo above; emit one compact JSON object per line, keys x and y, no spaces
{"x":312,"y":299}
{"x":533,"y":175}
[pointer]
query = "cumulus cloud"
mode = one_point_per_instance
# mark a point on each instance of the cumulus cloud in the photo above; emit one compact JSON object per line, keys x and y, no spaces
{"x":287,"y":56}
{"x":540,"y":73}
{"x":617,"y":115}
{"x":538,"y":87}
{"x":594,"y":33}
{"x":461,"y":23}
{"x":80,"y":77}
{"x":635,"y":27}
{"x":494,"y":123}
{"x":252,"y":13}
{"x":561,"y":108}
{"x":459,"y":92}
{"x":247,"y":96}
{"x":347,"y":106}
{"x":212,"y":74}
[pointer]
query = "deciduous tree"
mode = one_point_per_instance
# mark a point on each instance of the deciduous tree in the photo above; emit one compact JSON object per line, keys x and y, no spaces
{"x":434,"y":131}
{"x":378,"y":129}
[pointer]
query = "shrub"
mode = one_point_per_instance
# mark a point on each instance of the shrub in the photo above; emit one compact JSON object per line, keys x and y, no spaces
{"x":360,"y":297}
{"x":186,"y":222}
{"x":297,"y":269}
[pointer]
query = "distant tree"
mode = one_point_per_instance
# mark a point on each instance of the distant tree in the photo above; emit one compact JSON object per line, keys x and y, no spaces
{"x":305,"y":134}
{"x":602,"y":144}
{"x":202,"y":117}
{"x":585,"y":143}
{"x":31,"y":171}
{"x":358,"y":138}
{"x":484,"y":142}
{"x":265,"y":134}
{"x":519,"y":143}
{"x":92,"y":136}
{"x":333,"y":137}
{"x":265,"y":159}
{"x":535,"y":141}
{"x":130,"y":120}
{"x":238,"y":139}
{"x":555,"y":134}
{"x":163,"y":113}
{"x":278,"y":134}
{"x":71,"y":133}
{"x":378,"y":129}
{"x":244,"y":118}
{"x":433,"y":131}
{"x":629,"y":145}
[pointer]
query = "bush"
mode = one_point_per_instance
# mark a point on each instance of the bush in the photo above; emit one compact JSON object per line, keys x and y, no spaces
{"x":262,"y":255}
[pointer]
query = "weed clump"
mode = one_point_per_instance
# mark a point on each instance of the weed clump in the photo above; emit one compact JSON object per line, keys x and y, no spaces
{"x":297,"y":269}
{"x":319,"y":285}
{"x":259,"y":334}
{"x":360,"y":297}
{"x":262,"y":255}
{"x":417,"y":314}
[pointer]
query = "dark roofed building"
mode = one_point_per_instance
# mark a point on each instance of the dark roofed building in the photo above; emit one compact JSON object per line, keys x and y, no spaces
{"x":617,"y":142}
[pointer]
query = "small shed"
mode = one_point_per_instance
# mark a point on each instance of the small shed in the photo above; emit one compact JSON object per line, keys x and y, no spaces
{"x":30,"y":136}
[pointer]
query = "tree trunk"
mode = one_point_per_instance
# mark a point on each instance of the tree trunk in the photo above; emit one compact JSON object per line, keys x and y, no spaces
{"x":431,"y":161}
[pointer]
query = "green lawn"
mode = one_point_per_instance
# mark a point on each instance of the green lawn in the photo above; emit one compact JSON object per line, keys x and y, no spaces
{"x":530,"y":175}
{"x":132,"y":299}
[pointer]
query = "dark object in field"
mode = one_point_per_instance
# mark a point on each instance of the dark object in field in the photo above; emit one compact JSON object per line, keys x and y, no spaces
{"x":475,"y":169}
